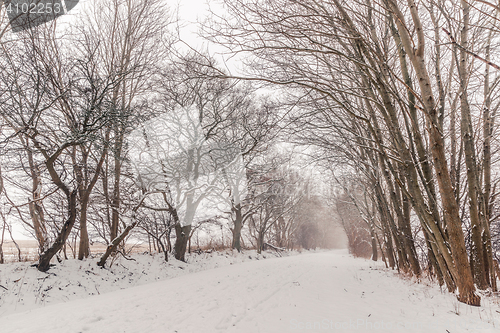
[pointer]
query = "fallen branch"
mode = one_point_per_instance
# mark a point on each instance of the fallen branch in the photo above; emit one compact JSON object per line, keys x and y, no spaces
{"x":114,"y":244}
{"x":278,"y":249}
{"x":125,"y":256}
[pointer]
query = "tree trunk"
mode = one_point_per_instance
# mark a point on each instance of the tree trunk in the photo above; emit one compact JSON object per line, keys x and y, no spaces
{"x":238,"y":225}
{"x":115,"y":200}
{"x":1,"y":243}
{"x":182,"y":237}
{"x":477,"y":255}
{"x":408,"y":238}
{"x":36,"y":213}
{"x":381,"y":251}
{"x":260,"y":242}
{"x":384,"y":219}
{"x":114,"y":244}
{"x":487,"y":133}
{"x":105,"y":191}
{"x":165,"y":250}
{"x":3,"y":221}
{"x":85,"y":188}
{"x":374,"y":244}
{"x":84,"y":247}
{"x":433,"y":264}
{"x":169,"y":243}
{"x":45,"y":257}
{"x":35,"y":207}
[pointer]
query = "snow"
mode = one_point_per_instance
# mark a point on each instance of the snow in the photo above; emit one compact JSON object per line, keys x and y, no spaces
{"x":25,"y":288}
{"x":312,"y":292}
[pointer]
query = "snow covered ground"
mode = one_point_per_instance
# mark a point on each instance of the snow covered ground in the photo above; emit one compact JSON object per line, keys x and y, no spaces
{"x":311,"y":292}
{"x":23,"y":288}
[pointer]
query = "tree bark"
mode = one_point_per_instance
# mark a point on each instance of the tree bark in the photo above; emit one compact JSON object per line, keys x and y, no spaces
{"x":408,"y":238}
{"x":374,"y":244}
{"x":35,"y":207}
{"x":115,"y":200}
{"x":260,"y":241}
{"x":487,"y":133}
{"x":45,"y":257}
{"x":182,"y":237}
{"x":477,"y":255}
{"x":85,"y":189}
{"x":115,"y":243}
{"x":238,"y":225}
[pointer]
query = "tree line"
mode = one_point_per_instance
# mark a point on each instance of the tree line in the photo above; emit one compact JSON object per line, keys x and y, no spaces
{"x":399,"y":98}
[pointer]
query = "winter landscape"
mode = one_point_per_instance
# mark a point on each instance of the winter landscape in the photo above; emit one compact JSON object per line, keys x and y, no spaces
{"x":249,"y":166}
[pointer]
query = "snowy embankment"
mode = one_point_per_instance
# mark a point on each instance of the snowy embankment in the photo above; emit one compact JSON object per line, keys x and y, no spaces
{"x":23,"y":287}
{"x":311,"y":292}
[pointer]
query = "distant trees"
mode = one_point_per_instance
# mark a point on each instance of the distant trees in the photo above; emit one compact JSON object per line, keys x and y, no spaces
{"x":235,"y":124}
{"x":276,"y":193}
{"x":360,"y":233}
{"x":314,"y":225}
{"x":171,"y":156}
{"x":283,"y":207}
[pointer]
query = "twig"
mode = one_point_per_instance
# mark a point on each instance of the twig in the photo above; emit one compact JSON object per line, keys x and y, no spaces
{"x":454,"y":42}
{"x":275,"y":247}
{"x":124,"y":256}
{"x":3,"y":287}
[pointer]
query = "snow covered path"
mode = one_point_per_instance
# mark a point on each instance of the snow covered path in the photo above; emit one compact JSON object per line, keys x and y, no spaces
{"x":314,"y":292}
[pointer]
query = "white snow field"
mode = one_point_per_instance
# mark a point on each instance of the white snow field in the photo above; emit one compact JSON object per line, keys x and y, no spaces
{"x":311,"y":292}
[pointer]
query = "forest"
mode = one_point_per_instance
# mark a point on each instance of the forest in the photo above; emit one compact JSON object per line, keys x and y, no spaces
{"x":378,"y":116}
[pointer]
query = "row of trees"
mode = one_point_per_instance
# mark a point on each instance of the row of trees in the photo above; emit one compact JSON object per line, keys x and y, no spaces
{"x":111,"y":132}
{"x":403,"y":95}
{"x":110,"y":127}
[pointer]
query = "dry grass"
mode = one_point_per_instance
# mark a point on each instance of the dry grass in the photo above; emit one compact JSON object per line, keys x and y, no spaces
{"x":29,"y":250}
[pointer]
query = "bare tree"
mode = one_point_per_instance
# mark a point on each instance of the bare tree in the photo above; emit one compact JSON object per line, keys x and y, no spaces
{"x":133,"y":38}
